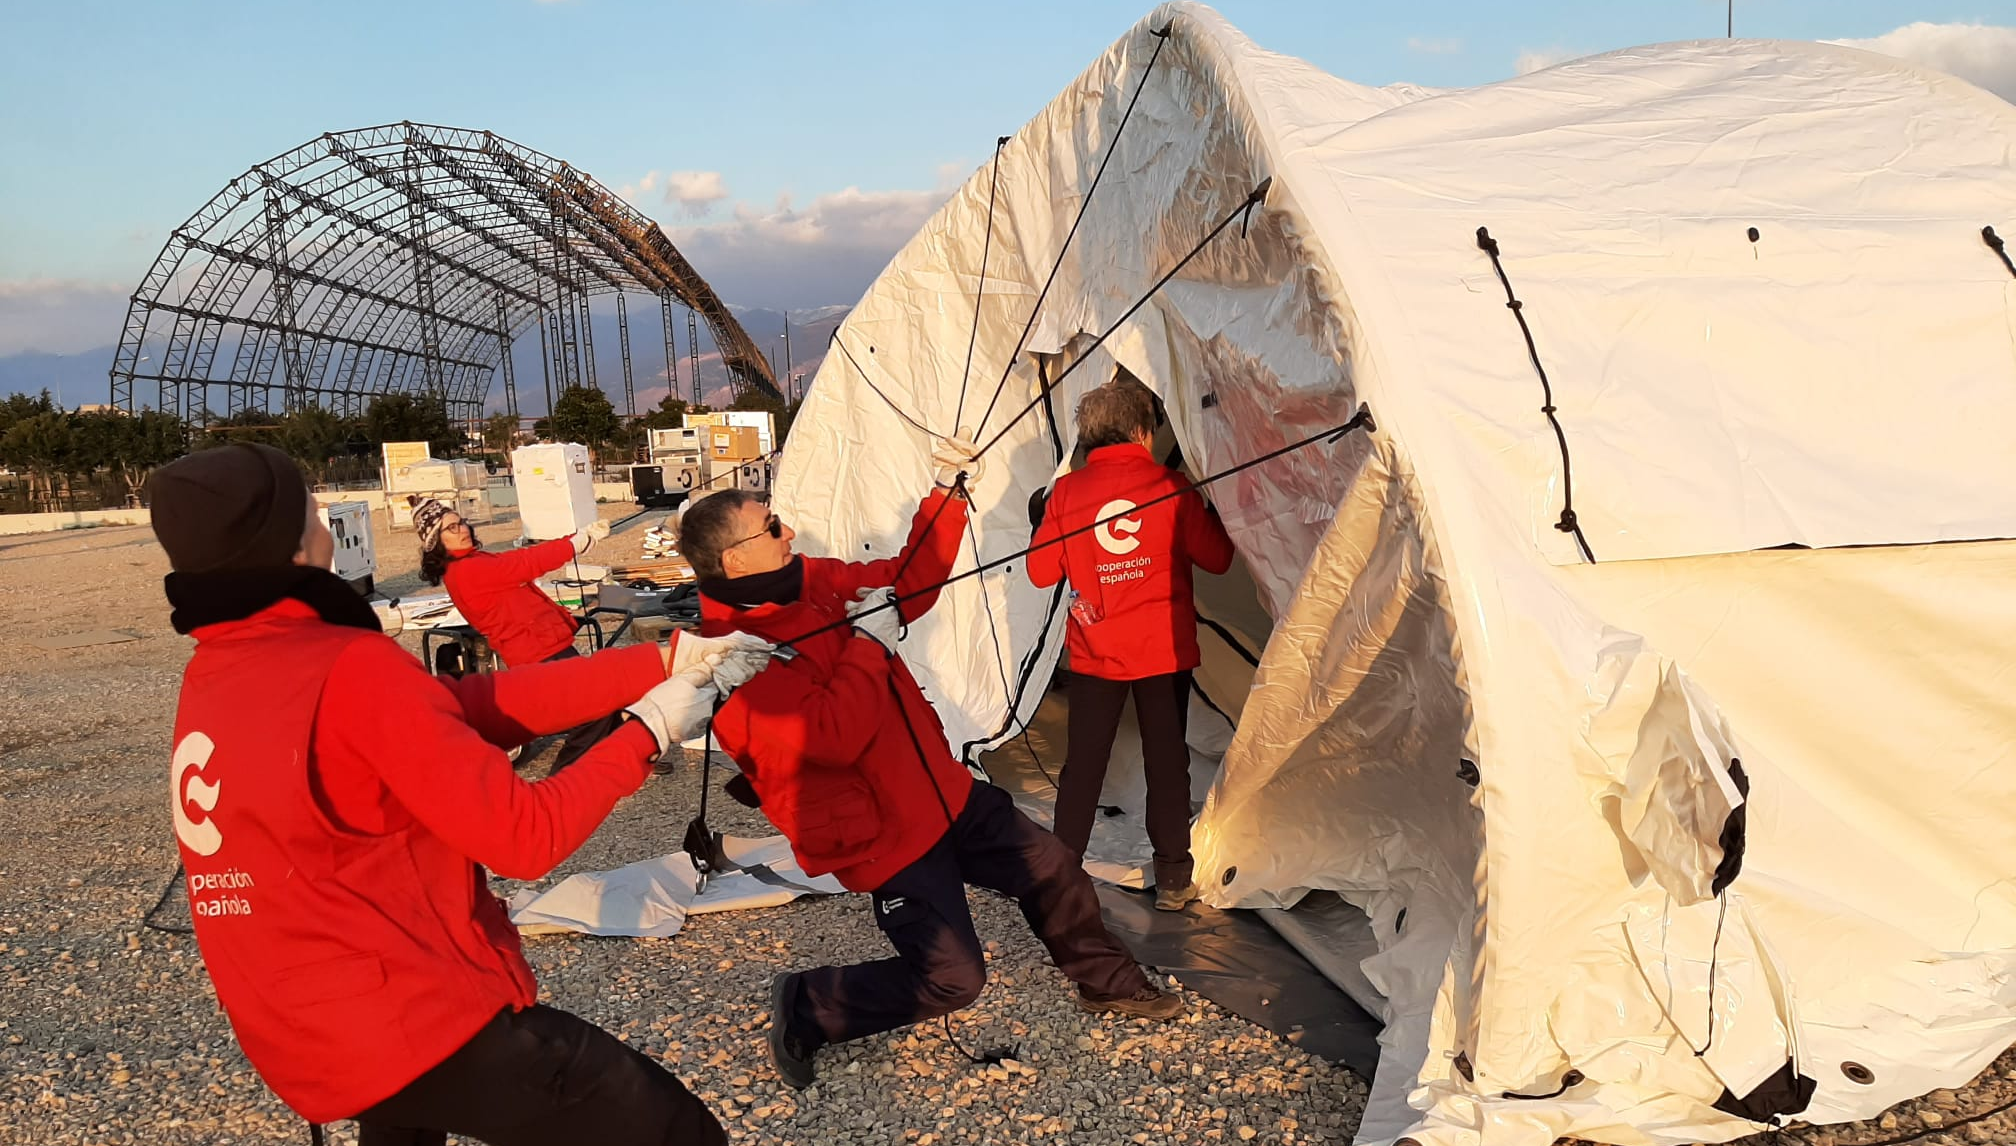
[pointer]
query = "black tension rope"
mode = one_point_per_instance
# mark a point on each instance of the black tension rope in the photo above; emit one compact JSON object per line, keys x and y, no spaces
{"x":980,"y":292}
{"x":1567,"y":522}
{"x":1362,"y":420}
{"x":2001,"y":248}
{"x":856,"y":364}
{"x":1243,"y":210}
{"x":1161,"y":41}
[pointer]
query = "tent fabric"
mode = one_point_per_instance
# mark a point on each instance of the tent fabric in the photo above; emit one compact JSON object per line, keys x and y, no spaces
{"x":652,"y":898}
{"x":1527,"y":769}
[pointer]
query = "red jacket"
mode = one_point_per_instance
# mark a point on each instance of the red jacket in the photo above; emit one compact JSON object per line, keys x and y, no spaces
{"x":1135,"y":570}
{"x":333,"y":803}
{"x":495,"y":593}
{"x":819,"y":735}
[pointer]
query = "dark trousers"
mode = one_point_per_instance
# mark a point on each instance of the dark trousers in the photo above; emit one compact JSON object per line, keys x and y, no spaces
{"x":938,"y":966}
{"x":541,"y":1077}
{"x":1161,"y":707}
{"x":582,"y":737}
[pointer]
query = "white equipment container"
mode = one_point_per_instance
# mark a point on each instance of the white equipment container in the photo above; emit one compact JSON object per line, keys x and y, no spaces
{"x":753,"y":476}
{"x":349,"y":523}
{"x":556,"y":489}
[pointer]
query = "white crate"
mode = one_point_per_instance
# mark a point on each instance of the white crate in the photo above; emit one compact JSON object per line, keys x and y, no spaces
{"x":556,"y":489}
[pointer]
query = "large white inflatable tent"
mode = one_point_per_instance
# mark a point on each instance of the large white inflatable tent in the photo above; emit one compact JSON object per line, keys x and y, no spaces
{"x":1722,"y":506}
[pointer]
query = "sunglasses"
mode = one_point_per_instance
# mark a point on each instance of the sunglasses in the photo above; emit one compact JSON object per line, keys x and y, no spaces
{"x":774,"y":527}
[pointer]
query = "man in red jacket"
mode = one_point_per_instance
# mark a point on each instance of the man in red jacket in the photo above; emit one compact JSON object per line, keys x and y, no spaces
{"x":495,"y":593}
{"x":850,"y":763}
{"x":335,"y":807}
{"x":1133,"y":623}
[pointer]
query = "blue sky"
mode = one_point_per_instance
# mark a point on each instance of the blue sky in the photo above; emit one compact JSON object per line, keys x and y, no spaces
{"x":118,"y":120}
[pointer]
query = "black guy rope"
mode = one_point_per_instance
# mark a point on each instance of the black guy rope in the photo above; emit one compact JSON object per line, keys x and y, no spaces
{"x":900,"y":411}
{"x":980,"y":293}
{"x":1362,"y":420}
{"x":958,"y":490}
{"x":147,"y":920}
{"x":1567,"y":522}
{"x":1161,"y":41}
{"x":2001,"y":248}
{"x":1243,"y":210}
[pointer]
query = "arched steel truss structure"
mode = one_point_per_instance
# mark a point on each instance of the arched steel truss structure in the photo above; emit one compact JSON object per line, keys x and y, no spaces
{"x":403,"y":258}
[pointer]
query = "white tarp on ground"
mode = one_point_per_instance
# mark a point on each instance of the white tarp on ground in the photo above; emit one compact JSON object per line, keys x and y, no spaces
{"x":653,"y":897}
{"x":1844,"y":379}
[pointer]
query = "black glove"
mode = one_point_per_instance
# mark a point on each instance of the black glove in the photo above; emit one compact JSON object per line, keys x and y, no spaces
{"x":1039,"y":502}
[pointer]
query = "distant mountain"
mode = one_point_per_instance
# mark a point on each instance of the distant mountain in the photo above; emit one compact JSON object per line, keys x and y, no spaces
{"x":77,"y":379}
{"x":82,"y":378}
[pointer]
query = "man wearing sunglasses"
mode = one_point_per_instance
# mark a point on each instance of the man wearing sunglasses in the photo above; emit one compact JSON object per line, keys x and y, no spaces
{"x":849,"y":762}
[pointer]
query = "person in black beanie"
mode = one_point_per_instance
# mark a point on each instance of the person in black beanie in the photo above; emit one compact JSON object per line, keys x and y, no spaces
{"x":335,"y":808}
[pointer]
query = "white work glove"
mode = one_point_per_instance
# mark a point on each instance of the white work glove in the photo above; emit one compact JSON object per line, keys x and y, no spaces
{"x":954,"y":456}
{"x":884,"y":627}
{"x":676,"y":710}
{"x":588,"y":536}
{"x":731,"y":661}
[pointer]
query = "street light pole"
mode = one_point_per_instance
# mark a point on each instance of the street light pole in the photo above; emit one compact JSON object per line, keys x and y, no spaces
{"x":787,"y":356}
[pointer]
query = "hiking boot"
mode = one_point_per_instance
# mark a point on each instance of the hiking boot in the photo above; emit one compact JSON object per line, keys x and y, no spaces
{"x":1175,"y":898}
{"x":1147,"y":1003}
{"x":789,"y":1053}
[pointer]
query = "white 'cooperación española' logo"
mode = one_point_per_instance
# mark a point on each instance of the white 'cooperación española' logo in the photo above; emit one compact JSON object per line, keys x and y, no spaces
{"x":1108,"y":532}
{"x":187,"y":786}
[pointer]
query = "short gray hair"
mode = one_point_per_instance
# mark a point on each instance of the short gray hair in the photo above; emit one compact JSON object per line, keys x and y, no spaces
{"x":708,"y":528}
{"x":1113,"y":414}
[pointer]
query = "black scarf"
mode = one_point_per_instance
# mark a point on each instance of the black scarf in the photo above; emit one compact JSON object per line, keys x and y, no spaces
{"x":777,"y":587}
{"x":212,"y":598}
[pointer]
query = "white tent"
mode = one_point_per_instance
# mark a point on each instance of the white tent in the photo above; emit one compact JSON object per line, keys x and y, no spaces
{"x":1783,"y":362}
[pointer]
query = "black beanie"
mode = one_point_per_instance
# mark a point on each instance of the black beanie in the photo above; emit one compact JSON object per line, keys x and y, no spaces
{"x":240,"y":506}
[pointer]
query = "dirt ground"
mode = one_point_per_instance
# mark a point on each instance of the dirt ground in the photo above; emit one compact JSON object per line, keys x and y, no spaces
{"x":111,"y":1034}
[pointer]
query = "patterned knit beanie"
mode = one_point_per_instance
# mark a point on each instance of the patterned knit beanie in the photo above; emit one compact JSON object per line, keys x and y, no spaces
{"x":427,"y":515}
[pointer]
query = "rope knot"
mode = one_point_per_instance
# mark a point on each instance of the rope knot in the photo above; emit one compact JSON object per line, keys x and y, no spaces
{"x":1567,"y":524}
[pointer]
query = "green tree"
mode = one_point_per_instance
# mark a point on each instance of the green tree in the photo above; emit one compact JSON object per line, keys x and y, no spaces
{"x":670,"y":414}
{"x":249,"y":425}
{"x":583,"y":414}
{"x":153,"y":438}
{"x":313,"y":436}
{"x":43,"y":446}
{"x":413,"y":418}
{"x":19,"y":406}
{"x":500,"y":434}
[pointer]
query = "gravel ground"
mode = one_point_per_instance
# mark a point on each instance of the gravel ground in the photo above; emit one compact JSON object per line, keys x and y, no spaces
{"x":110,"y":1033}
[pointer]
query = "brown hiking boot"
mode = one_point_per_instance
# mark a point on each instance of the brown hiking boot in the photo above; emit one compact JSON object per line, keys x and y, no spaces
{"x":1147,"y":1003}
{"x":1175,"y":898}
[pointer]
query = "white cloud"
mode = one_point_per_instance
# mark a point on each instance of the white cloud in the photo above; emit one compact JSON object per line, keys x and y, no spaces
{"x":60,"y":316}
{"x":1427,"y":47}
{"x":695,"y":192}
{"x":1538,"y":59}
{"x":827,"y":251}
{"x":1984,"y":54}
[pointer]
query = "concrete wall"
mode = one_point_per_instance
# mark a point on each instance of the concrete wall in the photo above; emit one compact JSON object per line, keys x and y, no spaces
{"x":12,"y":523}
{"x":501,"y":497}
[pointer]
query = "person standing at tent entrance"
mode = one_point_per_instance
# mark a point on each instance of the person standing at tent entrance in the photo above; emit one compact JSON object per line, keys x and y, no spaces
{"x":847,"y":758}
{"x":495,"y":593}
{"x":335,"y":807}
{"x":1133,"y":623}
